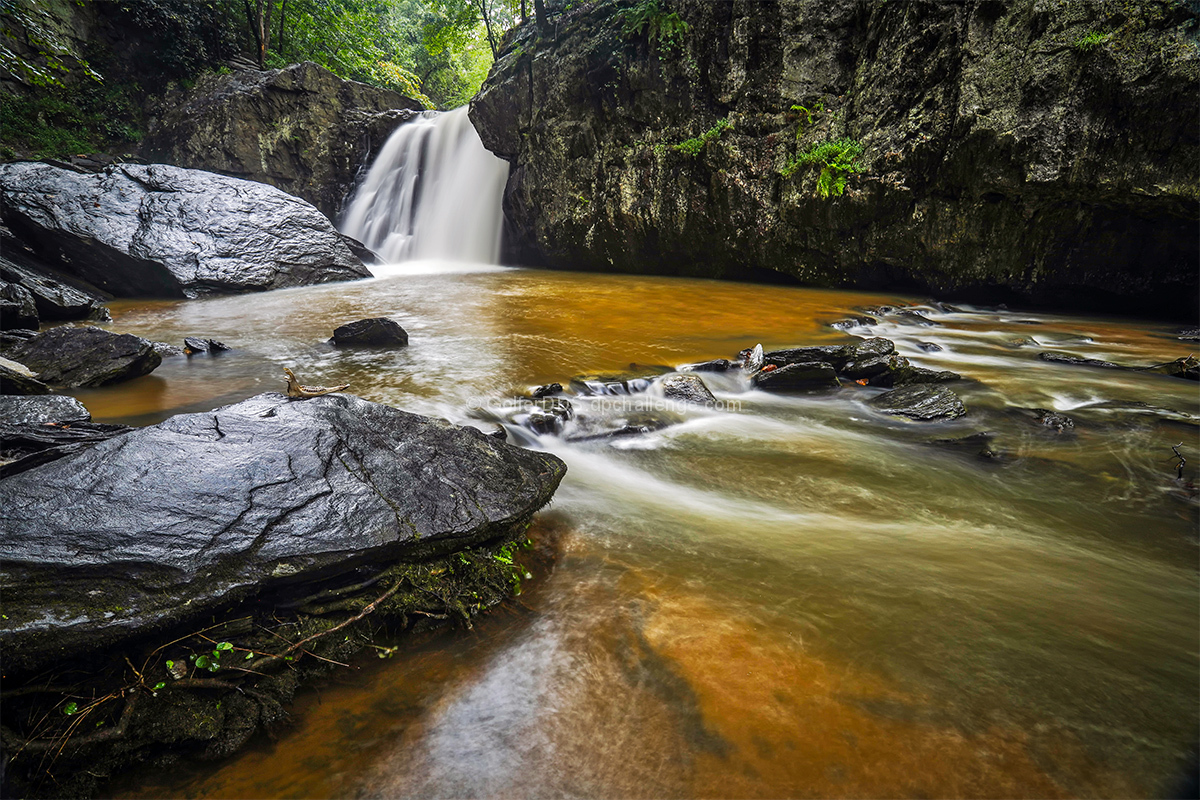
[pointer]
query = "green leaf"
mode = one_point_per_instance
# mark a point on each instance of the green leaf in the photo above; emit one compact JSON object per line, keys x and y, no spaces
{"x":225,"y":646}
{"x":170,"y":665}
{"x":203,"y":662}
{"x":158,"y":686}
{"x":249,"y":656}
{"x":70,"y":708}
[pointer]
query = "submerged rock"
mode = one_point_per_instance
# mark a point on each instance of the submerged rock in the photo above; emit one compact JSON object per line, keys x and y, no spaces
{"x":376,"y":332}
{"x":716,"y":365}
{"x":1187,"y":368}
{"x":687,"y":389}
{"x":87,"y":356}
{"x":921,"y":401}
{"x":636,"y":423}
{"x":1066,"y":358}
{"x":549,"y":415}
{"x":850,"y":323}
{"x":608,"y":385}
{"x":905,"y":374}
{"x":1052,"y":420}
{"x":168,"y":523}
{"x":161,"y":231}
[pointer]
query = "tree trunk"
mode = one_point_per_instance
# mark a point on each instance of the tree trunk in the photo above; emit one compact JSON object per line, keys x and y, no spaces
{"x":282,"y":13}
{"x":255,"y":31}
{"x":487,"y":23}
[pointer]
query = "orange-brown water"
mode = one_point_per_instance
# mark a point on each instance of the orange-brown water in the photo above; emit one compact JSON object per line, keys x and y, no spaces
{"x":790,"y":597}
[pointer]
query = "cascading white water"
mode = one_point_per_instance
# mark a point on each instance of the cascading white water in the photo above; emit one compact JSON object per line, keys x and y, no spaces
{"x":434,"y":191}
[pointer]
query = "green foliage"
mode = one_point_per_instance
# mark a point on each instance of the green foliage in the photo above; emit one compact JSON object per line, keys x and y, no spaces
{"x":210,"y":661}
{"x":69,"y":120}
{"x":24,"y":17}
{"x":694,"y":147}
{"x":648,"y":18}
{"x":71,"y":708}
{"x":808,"y":115}
{"x":1090,"y":41}
{"x":838,"y":160}
{"x":184,"y":36}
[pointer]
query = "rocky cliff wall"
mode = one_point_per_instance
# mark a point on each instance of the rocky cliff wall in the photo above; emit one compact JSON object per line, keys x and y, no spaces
{"x":1010,"y":149}
{"x":301,"y":129}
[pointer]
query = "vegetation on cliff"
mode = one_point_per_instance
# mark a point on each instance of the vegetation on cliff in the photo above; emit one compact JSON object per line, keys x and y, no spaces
{"x":77,"y":76}
{"x":991,"y":149}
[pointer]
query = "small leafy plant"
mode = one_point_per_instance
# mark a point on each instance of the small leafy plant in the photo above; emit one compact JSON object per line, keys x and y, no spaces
{"x":648,"y":18}
{"x":1090,"y":41}
{"x":838,"y":160}
{"x":212,"y":662}
{"x":693,"y":147}
{"x":808,"y":115}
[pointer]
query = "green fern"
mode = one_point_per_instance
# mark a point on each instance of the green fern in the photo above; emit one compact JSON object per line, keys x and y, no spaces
{"x":838,"y":159}
{"x":648,"y":18}
{"x":693,"y":147}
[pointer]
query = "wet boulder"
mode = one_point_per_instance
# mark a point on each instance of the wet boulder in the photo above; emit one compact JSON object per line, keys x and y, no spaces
{"x":17,"y":309}
{"x":18,"y":410}
{"x":872,"y":365}
{"x":835,"y":355}
{"x":27,"y":445}
{"x":18,"y":379}
{"x":798,"y":376}
{"x":159,"y":231}
{"x":687,"y":389}
{"x":163,"y":525}
{"x":194,"y":344}
{"x":547,"y":390}
{"x":87,"y":356}
{"x":921,"y":401}
{"x":54,"y":299}
{"x":376,"y":332}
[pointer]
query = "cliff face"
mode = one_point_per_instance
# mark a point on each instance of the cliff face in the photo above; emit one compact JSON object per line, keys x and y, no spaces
{"x":1039,"y":151}
{"x":301,"y":129}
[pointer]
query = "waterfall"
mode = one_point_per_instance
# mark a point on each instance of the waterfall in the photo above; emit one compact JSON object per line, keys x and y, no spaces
{"x":433,"y":192}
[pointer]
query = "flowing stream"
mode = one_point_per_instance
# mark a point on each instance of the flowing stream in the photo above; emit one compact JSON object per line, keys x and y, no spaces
{"x":784,"y":596}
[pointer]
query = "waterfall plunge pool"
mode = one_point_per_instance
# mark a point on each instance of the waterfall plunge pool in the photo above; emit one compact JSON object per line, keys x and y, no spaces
{"x":798,"y":597}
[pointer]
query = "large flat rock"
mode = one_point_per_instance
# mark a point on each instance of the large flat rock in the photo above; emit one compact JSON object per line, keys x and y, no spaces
{"x":146,"y":231}
{"x":167,"y":523}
